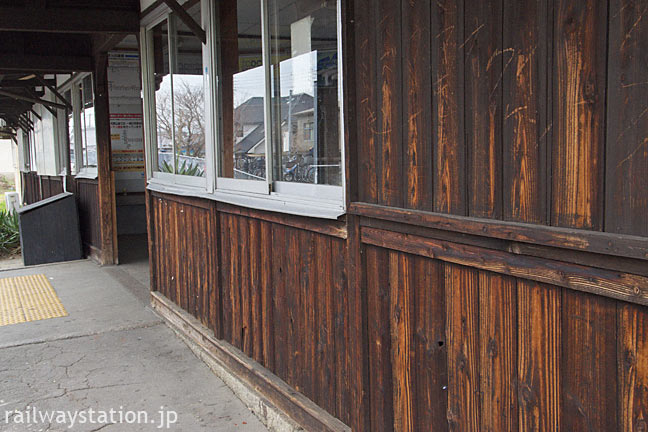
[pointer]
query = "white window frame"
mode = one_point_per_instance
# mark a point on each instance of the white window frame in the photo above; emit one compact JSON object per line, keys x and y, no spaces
{"x":150,"y":126}
{"x":290,"y":197}
{"x":82,"y":171}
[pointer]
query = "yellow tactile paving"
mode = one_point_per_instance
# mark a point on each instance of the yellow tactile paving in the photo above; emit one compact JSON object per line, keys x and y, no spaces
{"x":28,"y":298}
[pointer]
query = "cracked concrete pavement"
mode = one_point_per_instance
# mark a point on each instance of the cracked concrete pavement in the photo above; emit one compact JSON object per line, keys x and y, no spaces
{"x":111,"y":353}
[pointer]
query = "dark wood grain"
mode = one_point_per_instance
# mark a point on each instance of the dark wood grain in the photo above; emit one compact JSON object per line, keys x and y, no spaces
{"x":526,"y":130}
{"x":498,"y":352}
{"x":626,"y":167}
{"x":580,"y":49}
{"x":417,"y":115}
{"x":379,"y":335}
{"x":576,"y":239}
{"x":539,"y":358}
{"x":483,"y":107}
{"x":447,"y":44}
{"x":632,"y":367}
{"x":621,"y":286}
{"x":588,"y":362}
{"x":462,"y":329}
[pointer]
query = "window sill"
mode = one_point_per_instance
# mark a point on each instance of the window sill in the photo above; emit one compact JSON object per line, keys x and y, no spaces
{"x":274,"y":202}
{"x":87,"y":173}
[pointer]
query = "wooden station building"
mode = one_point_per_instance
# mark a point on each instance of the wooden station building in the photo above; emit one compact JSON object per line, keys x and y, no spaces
{"x":378,"y":214}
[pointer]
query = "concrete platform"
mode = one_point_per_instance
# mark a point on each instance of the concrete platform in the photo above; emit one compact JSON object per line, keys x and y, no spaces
{"x":111,"y":353}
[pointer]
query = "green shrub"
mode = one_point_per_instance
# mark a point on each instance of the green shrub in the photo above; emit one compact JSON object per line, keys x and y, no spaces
{"x":183,"y":169}
{"x":9,"y":232}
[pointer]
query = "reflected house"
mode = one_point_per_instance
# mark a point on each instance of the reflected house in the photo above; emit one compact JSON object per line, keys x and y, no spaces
{"x":298,"y":116}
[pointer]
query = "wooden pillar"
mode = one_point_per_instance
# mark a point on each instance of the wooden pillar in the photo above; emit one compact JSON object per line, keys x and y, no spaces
{"x":107,"y":208}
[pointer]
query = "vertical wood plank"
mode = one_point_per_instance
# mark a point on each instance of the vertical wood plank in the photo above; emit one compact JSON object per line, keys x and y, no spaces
{"x":417,"y":113}
{"x":430,"y":345}
{"x":462,"y":315}
{"x":498,"y":352}
{"x":280,"y":301}
{"x":235,"y":282}
{"x":580,"y":30}
{"x":483,"y":107}
{"x":390,"y":191}
{"x":538,"y":356}
{"x":341,"y":324}
{"x":632,"y":366}
{"x":244,"y":245}
{"x":366,"y":78}
{"x":447,"y":106}
{"x":524,"y":63}
{"x":626,"y":177}
{"x":226,"y":275}
{"x":256,"y":330}
{"x":401,"y":317}
{"x":267,"y":294}
{"x":312,"y":291}
{"x":589,"y":347}
{"x":294,"y":303}
{"x":380,"y":368}
{"x":357,"y":330}
{"x":327,"y":385}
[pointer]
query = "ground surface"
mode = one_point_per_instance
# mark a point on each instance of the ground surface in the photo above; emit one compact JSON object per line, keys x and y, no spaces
{"x":111,"y":353}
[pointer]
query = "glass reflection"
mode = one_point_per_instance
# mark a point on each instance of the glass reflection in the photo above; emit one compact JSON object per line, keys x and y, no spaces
{"x":304,"y":92}
{"x":242,"y":90}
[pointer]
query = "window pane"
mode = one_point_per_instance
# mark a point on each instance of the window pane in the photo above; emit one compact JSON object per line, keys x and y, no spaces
{"x":70,"y":131}
{"x":89,"y":130}
{"x":188,"y":97}
{"x":242,"y":90}
{"x":304,"y":102}
{"x":163,"y":106}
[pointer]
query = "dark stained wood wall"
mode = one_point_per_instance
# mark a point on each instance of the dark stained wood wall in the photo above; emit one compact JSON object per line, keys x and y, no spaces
{"x":184,"y":266}
{"x":491,"y":274}
{"x":87,"y":194}
{"x":36,"y":188}
{"x":272,"y":286}
{"x":513,"y":110}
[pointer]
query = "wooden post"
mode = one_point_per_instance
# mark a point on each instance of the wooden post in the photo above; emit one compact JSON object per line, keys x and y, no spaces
{"x":107,"y":214}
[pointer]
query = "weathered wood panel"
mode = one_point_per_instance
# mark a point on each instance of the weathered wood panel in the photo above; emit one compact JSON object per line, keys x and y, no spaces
{"x":632,"y":367}
{"x":30,"y":187}
{"x":87,"y":192}
{"x":580,"y":30}
{"x":588,"y":362}
{"x":483,"y":104}
{"x":525,"y":62}
{"x":517,"y":355}
{"x":184,"y":241}
{"x":448,"y":106}
{"x":417,"y":94}
{"x":284,"y":304}
{"x":626,"y":165}
{"x":514,"y":110}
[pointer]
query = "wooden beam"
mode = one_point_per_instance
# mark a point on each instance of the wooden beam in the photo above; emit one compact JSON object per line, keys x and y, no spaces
{"x":106,"y":189}
{"x":69,"y":20}
{"x":45,"y":64}
{"x":32,"y":99}
{"x":36,"y":114}
{"x":195,"y":28}
{"x":621,"y":286}
{"x":32,"y":82}
{"x":567,"y":238}
{"x":56,"y":93}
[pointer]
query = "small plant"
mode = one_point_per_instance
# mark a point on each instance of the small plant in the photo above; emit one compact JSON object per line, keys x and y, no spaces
{"x":9,"y":233}
{"x":183,"y":169}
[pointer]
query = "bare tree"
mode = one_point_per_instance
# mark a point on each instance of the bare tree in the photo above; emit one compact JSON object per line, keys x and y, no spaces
{"x":188,"y":110}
